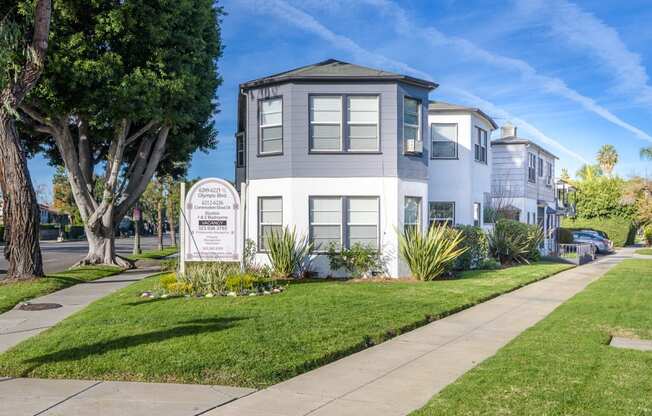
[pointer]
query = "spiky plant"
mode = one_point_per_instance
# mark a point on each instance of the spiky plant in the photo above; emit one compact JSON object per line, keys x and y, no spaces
{"x":430,"y":254}
{"x":607,"y":158}
{"x":287,"y":253}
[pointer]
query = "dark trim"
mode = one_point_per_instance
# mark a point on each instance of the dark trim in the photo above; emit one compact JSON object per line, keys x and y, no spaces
{"x":259,"y":136}
{"x":338,"y":79}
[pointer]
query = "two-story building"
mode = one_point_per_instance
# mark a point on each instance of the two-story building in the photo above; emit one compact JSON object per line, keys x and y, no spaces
{"x":523,"y":180}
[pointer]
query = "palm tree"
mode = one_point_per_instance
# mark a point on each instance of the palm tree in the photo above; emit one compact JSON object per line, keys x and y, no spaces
{"x":646,"y":153}
{"x":589,"y":172}
{"x":607,"y":158}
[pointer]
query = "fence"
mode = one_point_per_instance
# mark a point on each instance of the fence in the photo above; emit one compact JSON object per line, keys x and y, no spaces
{"x":576,"y":253}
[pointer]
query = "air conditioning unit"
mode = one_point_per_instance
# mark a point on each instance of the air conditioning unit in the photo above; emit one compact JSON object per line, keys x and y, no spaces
{"x":413,"y":146}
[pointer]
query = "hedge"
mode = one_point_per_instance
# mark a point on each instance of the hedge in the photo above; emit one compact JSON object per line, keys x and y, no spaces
{"x":619,"y":230}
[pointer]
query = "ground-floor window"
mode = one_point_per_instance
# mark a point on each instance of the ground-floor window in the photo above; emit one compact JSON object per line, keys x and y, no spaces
{"x":362,"y":224}
{"x":358,"y":214}
{"x":441,"y":213}
{"x":325,"y":222}
{"x":270,"y":218}
{"x":477,"y":211}
{"x":412,"y":213}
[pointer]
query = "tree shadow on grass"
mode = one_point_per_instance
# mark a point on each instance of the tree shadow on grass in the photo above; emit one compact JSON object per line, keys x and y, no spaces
{"x":186,"y":328}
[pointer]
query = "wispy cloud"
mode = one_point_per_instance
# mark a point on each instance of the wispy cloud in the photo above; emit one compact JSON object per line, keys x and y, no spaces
{"x":583,"y":30}
{"x":305,"y":21}
{"x":408,"y":27}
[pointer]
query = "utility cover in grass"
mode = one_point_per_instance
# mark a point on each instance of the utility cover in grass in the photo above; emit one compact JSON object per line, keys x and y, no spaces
{"x":631,"y":343}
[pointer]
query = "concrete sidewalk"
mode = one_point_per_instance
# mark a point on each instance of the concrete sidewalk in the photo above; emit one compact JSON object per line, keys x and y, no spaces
{"x":17,"y":325}
{"x":401,"y":375}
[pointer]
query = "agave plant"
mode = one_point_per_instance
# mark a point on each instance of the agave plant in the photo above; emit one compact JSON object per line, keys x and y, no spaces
{"x":431,"y":254}
{"x":287,"y":252}
{"x":514,"y":242}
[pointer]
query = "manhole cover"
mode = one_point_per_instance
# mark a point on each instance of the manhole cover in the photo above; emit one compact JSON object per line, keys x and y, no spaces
{"x":38,"y":306}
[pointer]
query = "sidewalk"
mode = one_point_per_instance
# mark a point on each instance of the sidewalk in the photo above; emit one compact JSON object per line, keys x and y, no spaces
{"x":393,"y":378}
{"x":401,"y":375}
{"x":17,"y":325}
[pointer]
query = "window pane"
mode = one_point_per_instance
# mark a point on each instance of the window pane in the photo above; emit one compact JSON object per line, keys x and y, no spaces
{"x":271,"y":106}
{"x":444,"y":132}
{"x":324,"y":235}
{"x":442,"y":210}
{"x":272,"y":132}
{"x":412,"y":210}
{"x":326,"y":103}
{"x":363,"y":204}
{"x":368,"y":131}
{"x":410,"y":105}
{"x":325,"y":144}
{"x":326,"y":117}
{"x":272,"y":118}
{"x":444,"y":149}
{"x":366,"y":235}
{"x":410,"y":133}
{"x":271,"y":204}
{"x":326,"y":131}
{"x":326,"y":210}
{"x":267,"y":230}
{"x":271,"y":146}
{"x":363,"y":217}
{"x":271,"y":217}
{"x":363,"y":104}
{"x":411,"y":119}
{"x":363,"y":144}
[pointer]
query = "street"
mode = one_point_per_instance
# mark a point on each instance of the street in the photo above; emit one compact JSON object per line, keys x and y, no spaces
{"x":60,"y":256}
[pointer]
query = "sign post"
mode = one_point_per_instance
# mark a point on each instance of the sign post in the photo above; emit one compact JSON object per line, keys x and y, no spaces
{"x":182,"y":227}
{"x":212,"y":215}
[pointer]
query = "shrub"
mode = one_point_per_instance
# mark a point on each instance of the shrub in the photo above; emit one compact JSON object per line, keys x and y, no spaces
{"x":239,"y":283}
{"x":477,"y":247}
{"x":514,"y":242}
{"x":74,"y":232}
{"x":287,"y":253}
{"x":359,"y":260}
{"x":431,"y":254}
{"x":619,"y":230}
{"x":208,"y":277}
{"x":489,"y":264}
{"x":647,"y":234}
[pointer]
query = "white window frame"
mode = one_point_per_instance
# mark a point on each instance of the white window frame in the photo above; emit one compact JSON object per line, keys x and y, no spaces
{"x":261,"y":224}
{"x":418,"y":125}
{"x":532,"y":167}
{"x":262,"y":126}
{"x":481,"y":148}
{"x":350,"y":123}
{"x":432,"y":141}
{"x":349,"y":223}
{"x":311,"y":224}
{"x":419,"y":209}
{"x":340,"y":123}
{"x":477,"y":214}
{"x":549,"y":173}
{"x":441,"y":219}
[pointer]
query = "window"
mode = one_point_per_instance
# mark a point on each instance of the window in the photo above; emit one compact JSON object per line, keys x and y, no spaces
{"x":325,"y":123}
{"x":480,"y":147}
{"x":549,"y":174}
{"x":411,"y":119}
{"x":363,"y":123}
{"x":531,"y":168}
{"x":271,"y":126}
{"x":477,"y":211}
{"x":444,"y":141}
{"x":362,"y":221}
{"x":325,"y":222}
{"x":240,"y":150}
{"x":540,"y":167}
{"x":442,"y":213}
{"x":270,"y":219}
{"x":412,"y":213}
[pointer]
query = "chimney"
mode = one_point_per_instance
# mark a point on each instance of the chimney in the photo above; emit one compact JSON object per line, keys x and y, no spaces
{"x":508,"y":130}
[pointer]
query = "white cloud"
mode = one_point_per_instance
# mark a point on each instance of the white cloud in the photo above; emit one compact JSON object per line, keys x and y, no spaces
{"x":293,"y":15}
{"x":406,"y":26}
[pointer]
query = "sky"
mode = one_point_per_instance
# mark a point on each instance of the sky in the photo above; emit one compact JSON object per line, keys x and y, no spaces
{"x":571,"y":75}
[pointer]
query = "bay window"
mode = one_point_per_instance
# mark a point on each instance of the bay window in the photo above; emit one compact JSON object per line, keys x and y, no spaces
{"x":362,"y":123}
{"x":326,"y":123}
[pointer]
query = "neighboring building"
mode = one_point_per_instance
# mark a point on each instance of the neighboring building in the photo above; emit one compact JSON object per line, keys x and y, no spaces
{"x":459,"y":169}
{"x":47,"y":214}
{"x":523,"y":181}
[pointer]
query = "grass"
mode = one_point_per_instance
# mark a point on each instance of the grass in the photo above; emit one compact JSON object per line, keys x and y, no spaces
{"x":153,"y":254}
{"x":246,"y":341}
{"x":16,"y":291}
{"x":644,"y":251}
{"x":563,"y":365}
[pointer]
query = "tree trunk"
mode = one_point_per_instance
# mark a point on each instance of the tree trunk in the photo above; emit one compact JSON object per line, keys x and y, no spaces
{"x":101,"y":245}
{"x":159,"y":224}
{"x":21,"y":213}
{"x":170,"y":215}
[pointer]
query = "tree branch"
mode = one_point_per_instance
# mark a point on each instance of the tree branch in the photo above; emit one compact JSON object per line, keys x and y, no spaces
{"x":140,"y":132}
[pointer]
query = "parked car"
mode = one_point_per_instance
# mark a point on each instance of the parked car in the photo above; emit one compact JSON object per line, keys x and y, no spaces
{"x":601,"y":234}
{"x":597,"y":241}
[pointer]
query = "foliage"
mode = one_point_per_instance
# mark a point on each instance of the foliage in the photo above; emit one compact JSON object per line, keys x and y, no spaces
{"x":431,"y":254}
{"x":514,"y":242}
{"x":477,"y":248}
{"x":647,"y":234}
{"x":240,"y":282}
{"x":619,"y":230}
{"x":287,"y":252}
{"x":601,"y":198}
{"x":247,"y":342}
{"x":589,"y":172}
{"x":607,"y":158}
{"x":249,"y":254}
{"x":489,"y":264}
{"x":208,"y":277}
{"x":62,"y":198}
{"x":359,"y":260}
{"x":637,"y":192}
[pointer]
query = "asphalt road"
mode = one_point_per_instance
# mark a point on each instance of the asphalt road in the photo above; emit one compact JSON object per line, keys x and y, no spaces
{"x":60,"y":256}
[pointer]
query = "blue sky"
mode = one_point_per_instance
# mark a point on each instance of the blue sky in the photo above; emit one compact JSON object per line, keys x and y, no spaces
{"x":571,"y":75}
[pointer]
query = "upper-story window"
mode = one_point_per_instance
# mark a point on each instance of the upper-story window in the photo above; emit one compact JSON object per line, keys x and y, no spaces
{"x":532,"y":167}
{"x":326,"y":123}
{"x":271,"y":126}
{"x":480,"y":146}
{"x":240,"y":150}
{"x":540,"y":167}
{"x":362,"y":120}
{"x":411,"y":122}
{"x":549,"y":174}
{"x":444,"y":140}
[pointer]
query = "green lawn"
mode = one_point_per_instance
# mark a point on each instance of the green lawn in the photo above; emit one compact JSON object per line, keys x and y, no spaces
{"x":563,"y":365}
{"x":644,"y":251}
{"x":14,"y":292}
{"x":246,"y":341}
{"x":153,"y":254}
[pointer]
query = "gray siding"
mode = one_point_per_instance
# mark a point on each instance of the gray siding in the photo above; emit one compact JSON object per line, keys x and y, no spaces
{"x":409,"y":166}
{"x":297,"y":161}
{"x":510,"y":173}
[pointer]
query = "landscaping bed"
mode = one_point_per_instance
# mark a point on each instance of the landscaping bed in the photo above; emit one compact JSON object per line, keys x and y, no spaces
{"x":13,"y":292}
{"x":564,"y":365}
{"x":247,"y":341}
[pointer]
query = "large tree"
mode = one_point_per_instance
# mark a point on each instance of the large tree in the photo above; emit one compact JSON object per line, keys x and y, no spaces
{"x":24,"y":33}
{"x":607,"y":158}
{"x":131,"y":90}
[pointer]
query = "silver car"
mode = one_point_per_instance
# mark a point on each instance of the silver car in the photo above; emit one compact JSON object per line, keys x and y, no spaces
{"x":598,"y":242}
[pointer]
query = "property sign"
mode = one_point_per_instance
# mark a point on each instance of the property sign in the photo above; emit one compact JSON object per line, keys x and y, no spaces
{"x":212,"y":220}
